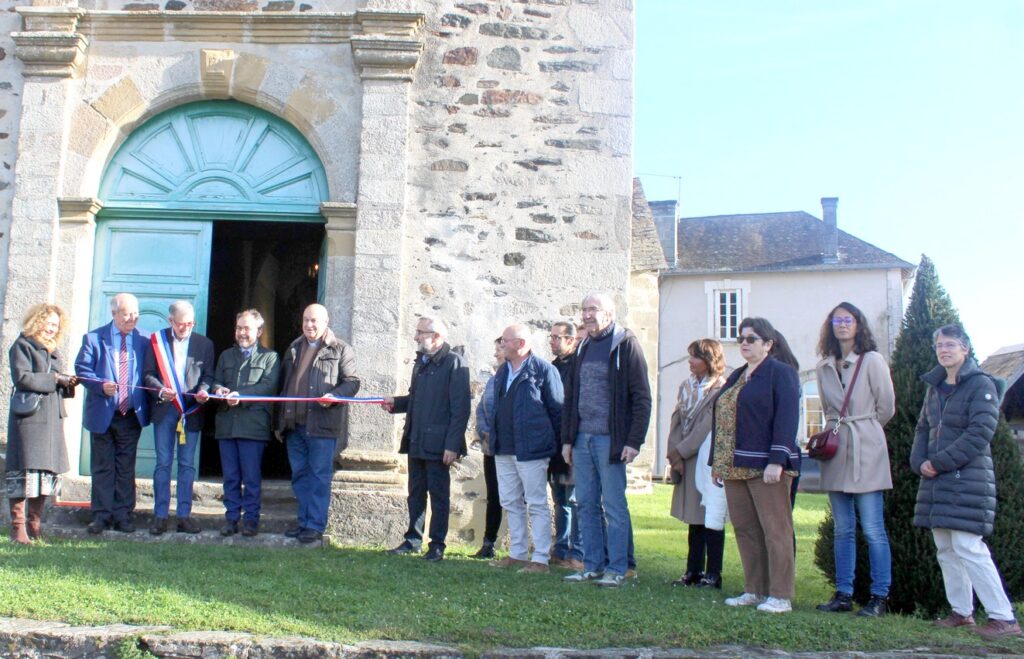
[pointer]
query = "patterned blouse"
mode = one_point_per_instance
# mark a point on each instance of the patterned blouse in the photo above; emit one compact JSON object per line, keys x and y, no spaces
{"x":725,"y":437}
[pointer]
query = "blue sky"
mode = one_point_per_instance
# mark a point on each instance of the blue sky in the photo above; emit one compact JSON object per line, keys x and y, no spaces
{"x":911,"y":112}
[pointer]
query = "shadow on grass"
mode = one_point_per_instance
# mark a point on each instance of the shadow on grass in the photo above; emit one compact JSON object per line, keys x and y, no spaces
{"x":349,"y":595}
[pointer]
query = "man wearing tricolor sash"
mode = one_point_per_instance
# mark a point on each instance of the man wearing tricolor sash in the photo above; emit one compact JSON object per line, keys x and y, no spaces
{"x":179,"y":364}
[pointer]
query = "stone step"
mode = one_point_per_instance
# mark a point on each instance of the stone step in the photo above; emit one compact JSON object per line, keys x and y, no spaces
{"x":275,"y":518}
{"x":209,"y":536}
{"x":205,"y":492}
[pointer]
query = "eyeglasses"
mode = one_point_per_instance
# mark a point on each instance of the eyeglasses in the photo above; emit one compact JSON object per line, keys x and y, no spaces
{"x":749,"y":338}
{"x":947,"y":345}
{"x":183,"y":325}
{"x":420,"y":332}
{"x":843,"y":320}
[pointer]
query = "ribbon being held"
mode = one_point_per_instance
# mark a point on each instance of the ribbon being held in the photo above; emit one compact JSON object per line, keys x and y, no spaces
{"x":262,"y":399}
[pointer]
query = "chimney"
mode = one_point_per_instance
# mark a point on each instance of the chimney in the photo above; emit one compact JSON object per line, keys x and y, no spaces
{"x":830,"y":232}
{"x":665,"y":220}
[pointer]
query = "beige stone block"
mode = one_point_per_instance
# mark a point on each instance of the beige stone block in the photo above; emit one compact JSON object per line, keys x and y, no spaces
{"x":341,"y":243}
{"x":88,"y":130}
{"x":309,"y":103}
{"x":247,"y":76}
{"x":121,"y":102}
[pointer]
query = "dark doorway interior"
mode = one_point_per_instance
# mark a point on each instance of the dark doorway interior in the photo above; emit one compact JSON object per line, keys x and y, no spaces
{"x":272,"y":267}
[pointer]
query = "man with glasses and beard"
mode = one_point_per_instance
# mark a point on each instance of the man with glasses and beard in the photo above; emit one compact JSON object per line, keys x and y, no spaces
{"x":437,"y":412}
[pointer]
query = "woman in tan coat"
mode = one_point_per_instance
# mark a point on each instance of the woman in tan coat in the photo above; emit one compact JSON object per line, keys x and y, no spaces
{"x":695,"y":499}
{"x":859,"y":472}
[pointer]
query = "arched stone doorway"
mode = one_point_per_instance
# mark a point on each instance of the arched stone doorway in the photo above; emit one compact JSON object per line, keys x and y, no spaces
{"x":216,"y":202}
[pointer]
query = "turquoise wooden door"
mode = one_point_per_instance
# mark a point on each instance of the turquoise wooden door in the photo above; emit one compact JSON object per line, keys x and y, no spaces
{"x":158,"y":262}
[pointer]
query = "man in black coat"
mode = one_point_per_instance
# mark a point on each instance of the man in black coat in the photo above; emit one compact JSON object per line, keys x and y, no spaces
{"x":179,"y":364}
{"x":437,"y":411}
{"x":568,"y":548}
{"x":604,"y":424}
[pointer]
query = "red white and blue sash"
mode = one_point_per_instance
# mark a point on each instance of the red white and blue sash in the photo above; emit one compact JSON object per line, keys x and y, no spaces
{"x":164,"y":354}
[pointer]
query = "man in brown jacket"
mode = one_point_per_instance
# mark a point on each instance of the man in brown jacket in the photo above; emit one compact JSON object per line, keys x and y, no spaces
{"x":317,"y":364}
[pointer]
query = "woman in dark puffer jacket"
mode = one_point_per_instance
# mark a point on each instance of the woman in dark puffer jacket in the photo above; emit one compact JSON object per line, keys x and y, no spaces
{"x":957,"y":496}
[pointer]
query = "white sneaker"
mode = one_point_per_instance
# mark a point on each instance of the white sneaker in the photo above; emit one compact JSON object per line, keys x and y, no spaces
{"x":746,"y":599}
{"x":775,"y":605}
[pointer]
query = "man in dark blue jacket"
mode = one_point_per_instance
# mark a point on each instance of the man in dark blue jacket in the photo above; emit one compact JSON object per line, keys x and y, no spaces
{"x":525,"y":428}
{"x":437,"y":412}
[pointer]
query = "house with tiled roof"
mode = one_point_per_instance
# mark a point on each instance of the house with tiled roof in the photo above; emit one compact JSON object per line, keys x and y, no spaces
{"x":789,"y":267}
{"x":1008,"y":363}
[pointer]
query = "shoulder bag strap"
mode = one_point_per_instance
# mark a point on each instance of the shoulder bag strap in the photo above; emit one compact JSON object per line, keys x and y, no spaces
{"x":849,"y":390}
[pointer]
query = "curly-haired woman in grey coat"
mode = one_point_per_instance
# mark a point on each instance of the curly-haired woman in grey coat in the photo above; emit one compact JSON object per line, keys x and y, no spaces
{"x":957,"y":495}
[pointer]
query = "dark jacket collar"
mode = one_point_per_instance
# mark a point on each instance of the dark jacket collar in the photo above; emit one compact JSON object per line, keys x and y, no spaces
{"x":437,"y":357}
{"x":936,"y":376}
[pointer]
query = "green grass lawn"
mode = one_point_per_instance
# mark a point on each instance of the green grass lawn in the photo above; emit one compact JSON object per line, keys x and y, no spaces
{"x":350,"y":595}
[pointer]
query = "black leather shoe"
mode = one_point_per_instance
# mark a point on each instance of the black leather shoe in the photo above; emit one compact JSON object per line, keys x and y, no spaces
{"x":689,"y":579}
{"x":250,"y":529}
{"x":434,"y":554}
{"x":96,"y":527}
{"x":188,"y":525}
{"x":230,"y":528}
{"x":840,"y":603}
{"x":127,"y":526}
{"x":404,"y":548}
{"x":309,"y":535}
{"x":486,"y":551}
{"x":876,"y":607}
{"x":294,"y":532}
{"x":710,"y":580}
{"x":159,"y":526}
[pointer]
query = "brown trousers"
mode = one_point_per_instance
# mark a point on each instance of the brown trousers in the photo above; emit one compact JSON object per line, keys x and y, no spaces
{"x":762,"y":519}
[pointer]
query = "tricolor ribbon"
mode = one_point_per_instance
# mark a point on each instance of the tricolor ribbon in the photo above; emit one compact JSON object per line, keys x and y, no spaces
{"x":165,"y":362}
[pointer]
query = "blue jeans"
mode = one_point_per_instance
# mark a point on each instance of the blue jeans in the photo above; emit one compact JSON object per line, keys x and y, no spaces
{"x":312,"y":462}
{"x":869,"y":508}
{"x":568,"y":539}
{"x":165,"y":440}
{"x":242,"y":462}
{"x":600,"y":483}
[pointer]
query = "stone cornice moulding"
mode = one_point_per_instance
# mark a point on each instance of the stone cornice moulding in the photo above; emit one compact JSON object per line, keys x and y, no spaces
{"x":340,"y":215}
{"x":222,"y":26}
{"x":386,"y":59}
{"x":78,"y":210}
{"x":50,"y":54}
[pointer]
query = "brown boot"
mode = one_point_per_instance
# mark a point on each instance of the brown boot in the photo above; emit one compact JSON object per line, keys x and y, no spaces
{"x":18,"y":534}
{"x":35,"y":517}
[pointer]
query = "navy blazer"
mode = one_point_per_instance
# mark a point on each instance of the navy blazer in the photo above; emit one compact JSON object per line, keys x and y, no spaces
{"x":767,"y":416}
{"x":536,"y":408}
{"x":199,"y":372}
{"x":97,"y":359}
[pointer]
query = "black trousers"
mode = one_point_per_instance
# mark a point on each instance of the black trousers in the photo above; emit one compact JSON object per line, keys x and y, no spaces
{"x":705,"y":543}
{"x":113,"y":470}
{"x":492,"y":520}
{"x":428,"y":477}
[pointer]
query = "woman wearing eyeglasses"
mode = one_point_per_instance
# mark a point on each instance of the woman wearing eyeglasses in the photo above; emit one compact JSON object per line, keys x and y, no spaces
{"x":957,"y":495}
{"x":858,"y":474}
{"x":755,"y":454}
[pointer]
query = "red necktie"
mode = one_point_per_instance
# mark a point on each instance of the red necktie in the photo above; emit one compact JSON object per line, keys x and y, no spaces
{"x":122,"y":377}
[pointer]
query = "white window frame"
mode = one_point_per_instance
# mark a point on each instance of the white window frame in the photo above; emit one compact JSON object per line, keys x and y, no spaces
{"x":713,"y":290}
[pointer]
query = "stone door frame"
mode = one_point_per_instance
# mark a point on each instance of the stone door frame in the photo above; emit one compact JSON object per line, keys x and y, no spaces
{"x":62,"y":139}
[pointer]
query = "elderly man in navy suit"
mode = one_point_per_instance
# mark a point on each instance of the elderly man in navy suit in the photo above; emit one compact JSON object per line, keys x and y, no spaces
{"x":178,"y":373}
{"x":110,"y":367}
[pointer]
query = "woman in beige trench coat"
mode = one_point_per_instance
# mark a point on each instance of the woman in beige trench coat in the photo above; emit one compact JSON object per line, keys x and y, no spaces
{"x":696,"y":500}
{"x":859,"y":472}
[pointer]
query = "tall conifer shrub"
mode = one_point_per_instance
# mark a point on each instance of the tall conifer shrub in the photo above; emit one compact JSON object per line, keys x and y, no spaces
{"x":917,"y":582}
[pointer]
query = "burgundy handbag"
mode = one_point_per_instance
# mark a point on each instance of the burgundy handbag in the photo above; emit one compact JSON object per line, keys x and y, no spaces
{"x":823,"y":445}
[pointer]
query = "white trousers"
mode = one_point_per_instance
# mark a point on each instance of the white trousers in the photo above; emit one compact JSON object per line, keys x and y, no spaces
{"x":967,"y":565}
{"x":523,"y":488}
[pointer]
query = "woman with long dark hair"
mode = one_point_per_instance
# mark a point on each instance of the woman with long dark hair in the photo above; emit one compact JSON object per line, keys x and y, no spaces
{"x":695,"y":498}
{"x":859,"y":472}
{"x":755,"y":454}
{"x":36,"y":453}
